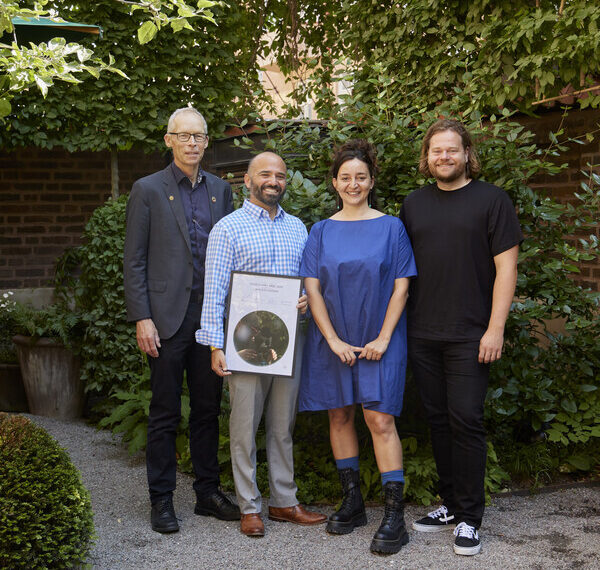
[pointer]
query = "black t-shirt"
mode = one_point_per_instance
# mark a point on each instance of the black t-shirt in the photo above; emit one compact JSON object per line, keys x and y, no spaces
{"x":455,"y":236}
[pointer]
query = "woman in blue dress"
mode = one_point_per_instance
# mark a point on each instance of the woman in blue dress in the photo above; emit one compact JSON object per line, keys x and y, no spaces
{"x":357,"y":266}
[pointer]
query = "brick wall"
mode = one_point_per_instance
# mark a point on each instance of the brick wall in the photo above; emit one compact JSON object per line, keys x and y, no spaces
{"x":46,"y":198}
{"x":579,"y":157}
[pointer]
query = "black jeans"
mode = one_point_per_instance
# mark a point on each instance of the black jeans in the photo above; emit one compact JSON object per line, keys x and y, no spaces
{"x":453,"y":384}
{"x":176,"y":354}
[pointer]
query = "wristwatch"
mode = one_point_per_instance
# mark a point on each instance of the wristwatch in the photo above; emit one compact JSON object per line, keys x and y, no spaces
{"x":213,"y":348}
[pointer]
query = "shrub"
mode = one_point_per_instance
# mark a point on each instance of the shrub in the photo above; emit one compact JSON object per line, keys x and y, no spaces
{"x":111,"y":359}
{"x":45,"y":511}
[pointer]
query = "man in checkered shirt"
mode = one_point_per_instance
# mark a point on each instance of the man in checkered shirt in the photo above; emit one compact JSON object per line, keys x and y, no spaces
{"x":259,"y":237}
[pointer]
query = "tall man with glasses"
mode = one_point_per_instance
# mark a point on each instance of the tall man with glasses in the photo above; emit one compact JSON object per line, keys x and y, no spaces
{"x":169,"y":216}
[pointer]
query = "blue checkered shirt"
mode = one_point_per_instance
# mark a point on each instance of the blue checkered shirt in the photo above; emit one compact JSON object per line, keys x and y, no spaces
{"x":246,"y":240}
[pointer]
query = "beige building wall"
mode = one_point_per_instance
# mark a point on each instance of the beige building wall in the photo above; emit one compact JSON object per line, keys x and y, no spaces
{"x":279,"y":87}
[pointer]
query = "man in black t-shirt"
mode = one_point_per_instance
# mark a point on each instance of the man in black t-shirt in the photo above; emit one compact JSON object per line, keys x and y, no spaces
{"x":465,"y":236}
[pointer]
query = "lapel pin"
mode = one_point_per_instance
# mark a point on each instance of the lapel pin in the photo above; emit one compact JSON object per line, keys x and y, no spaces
{"x":171,"y":198}
{"x":214,"y":199}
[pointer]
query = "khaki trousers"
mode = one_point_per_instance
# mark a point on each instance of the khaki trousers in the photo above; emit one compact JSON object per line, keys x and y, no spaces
{"x":250,"y":395}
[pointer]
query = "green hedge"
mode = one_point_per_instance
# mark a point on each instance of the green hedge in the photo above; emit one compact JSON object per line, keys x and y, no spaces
{"x":45,"y":511}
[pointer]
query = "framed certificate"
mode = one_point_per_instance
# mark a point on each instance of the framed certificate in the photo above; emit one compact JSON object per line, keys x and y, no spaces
{"x":262,"y":323}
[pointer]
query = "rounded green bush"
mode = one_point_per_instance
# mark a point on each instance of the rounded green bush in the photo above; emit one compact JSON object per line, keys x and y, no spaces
{"x":45,"y":511}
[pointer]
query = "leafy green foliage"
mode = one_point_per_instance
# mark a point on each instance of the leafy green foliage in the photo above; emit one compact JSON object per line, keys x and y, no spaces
{"x":419,"y":471}
{"x":307,"y":201}
{"x":495,"y":476}
{"x":55,"y":321}
{"x":531,"y":460}
{"x":45,"y":511}
{"x":44,"y":63}
{"x":316,"y":474}
{"x":506,"y":53}
{"x":577,"y":423}
{"x":130,"y":416}
{"x":211,"y":67}
{"x":40,"y":64}
{"x":111,"y":359}
{"x":173,"y":13}
{"x":303,"y":38}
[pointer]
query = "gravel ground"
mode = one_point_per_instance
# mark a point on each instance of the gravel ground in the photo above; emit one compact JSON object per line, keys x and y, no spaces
{"x":551,"y":530}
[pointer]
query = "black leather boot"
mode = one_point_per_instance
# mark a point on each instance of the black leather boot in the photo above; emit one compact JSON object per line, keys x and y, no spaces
{"x":162,"y":516}
{"x":391,"y":535}
{"x":352,"y":510}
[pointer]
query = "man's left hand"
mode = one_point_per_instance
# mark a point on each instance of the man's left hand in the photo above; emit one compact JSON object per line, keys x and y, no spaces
{"x":302,"y":304}
{"x":490,"y":346}
{"x":218,"y":362}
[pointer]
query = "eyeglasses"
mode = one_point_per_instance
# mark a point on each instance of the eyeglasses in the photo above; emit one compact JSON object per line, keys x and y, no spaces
{"x":185,"y":137}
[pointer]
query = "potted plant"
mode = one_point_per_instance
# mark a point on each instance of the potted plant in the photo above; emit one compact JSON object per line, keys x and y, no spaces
{"x":45,"y":343}
{"x":12,"y":392}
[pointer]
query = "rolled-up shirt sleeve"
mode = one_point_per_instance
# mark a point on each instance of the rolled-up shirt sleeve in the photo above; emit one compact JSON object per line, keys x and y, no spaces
{"x":218,"y":266}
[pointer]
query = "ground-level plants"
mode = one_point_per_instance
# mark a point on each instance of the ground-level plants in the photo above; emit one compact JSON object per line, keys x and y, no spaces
{"x":46,"y":340}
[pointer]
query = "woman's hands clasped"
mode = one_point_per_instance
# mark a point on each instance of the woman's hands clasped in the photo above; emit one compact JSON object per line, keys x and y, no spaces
{"x":373,"y":350}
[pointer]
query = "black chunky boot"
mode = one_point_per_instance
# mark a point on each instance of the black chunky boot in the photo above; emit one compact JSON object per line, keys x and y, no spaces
{"x":352,"y":510}
{"x":391,"y":535}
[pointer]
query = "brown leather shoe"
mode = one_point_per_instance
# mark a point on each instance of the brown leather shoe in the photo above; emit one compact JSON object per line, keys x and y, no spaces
{"x":252,"y":525}
{"x":297,"y":515}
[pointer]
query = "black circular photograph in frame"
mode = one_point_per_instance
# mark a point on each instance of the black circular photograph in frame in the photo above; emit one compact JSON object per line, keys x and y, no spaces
{"x":261,"y":338}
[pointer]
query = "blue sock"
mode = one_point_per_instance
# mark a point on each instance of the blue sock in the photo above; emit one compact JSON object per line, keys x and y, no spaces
{"x":351,"y":462}
{"x":397,"y":475}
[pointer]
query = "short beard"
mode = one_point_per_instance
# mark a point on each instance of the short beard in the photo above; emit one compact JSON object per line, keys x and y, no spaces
{"x":451,"y":177}
{"x":267,"y":198}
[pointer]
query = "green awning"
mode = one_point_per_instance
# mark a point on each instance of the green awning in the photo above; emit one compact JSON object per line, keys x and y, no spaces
{"x":38,"y":30}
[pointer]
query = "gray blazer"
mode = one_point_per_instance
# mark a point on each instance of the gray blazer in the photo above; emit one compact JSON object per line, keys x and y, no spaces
{"x":158,"y":268}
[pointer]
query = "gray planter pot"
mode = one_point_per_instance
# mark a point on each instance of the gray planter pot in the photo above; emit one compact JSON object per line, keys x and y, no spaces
{"x":51,"y":378}
{"x":12,"y":391}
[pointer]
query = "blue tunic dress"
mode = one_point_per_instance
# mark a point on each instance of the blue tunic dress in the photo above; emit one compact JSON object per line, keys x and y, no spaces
{"x":356,"y":263}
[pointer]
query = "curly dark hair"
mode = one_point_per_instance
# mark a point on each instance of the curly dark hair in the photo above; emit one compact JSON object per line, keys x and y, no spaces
{"x":473,"y":166}
{"x":364,"y":151}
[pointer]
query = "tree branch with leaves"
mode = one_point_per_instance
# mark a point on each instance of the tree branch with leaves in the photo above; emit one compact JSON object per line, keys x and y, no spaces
{"x":174,"y":13}
{"x":56,"y":60}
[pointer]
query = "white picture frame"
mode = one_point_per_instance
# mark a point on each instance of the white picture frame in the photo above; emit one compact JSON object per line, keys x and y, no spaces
{"x":262,"y":323}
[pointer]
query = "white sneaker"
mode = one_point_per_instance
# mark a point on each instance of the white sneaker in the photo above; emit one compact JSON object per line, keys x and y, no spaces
{"x":467,"y":540}
{"x":435,"y":521}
